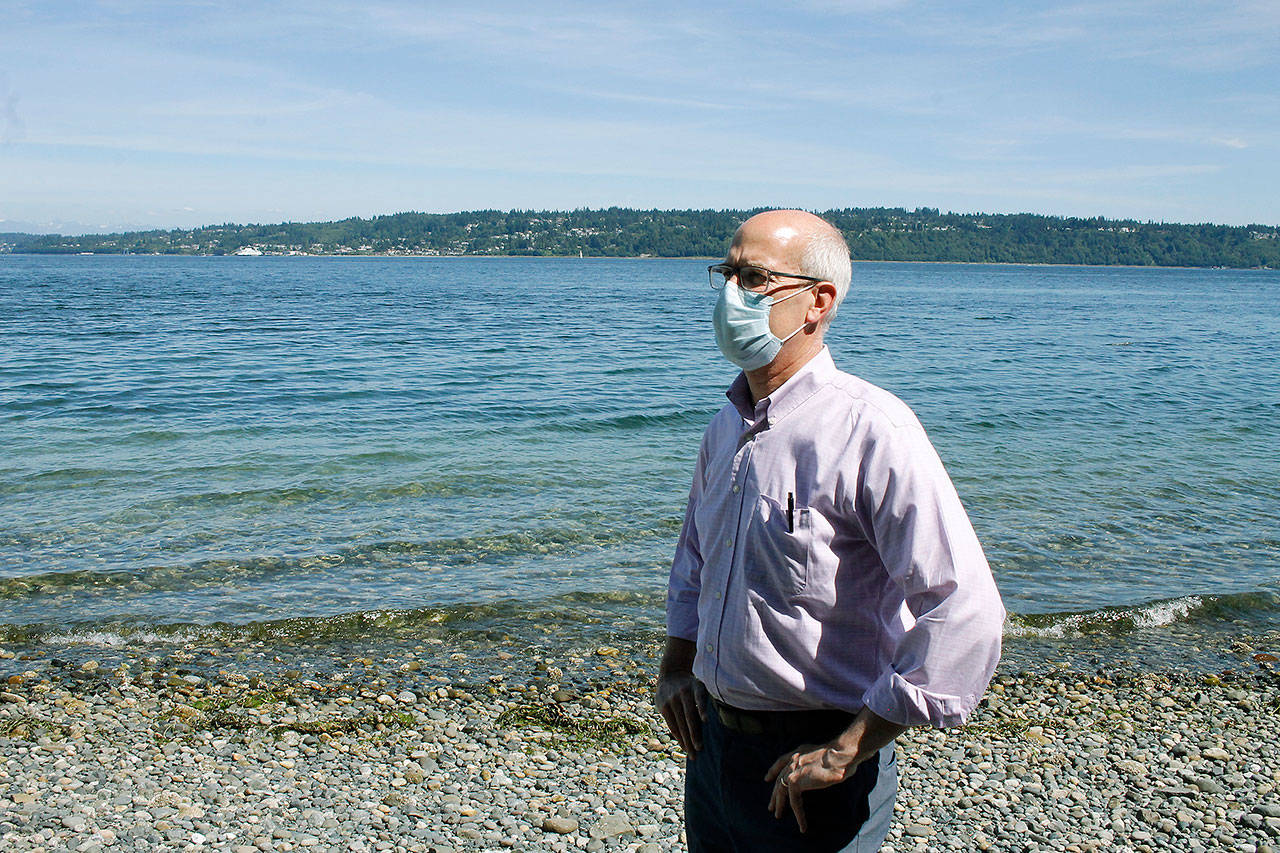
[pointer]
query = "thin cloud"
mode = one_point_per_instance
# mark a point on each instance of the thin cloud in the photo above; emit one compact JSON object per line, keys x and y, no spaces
{"x":604,"y":94}
{"x":1257,"y":104}
{"x":854,"y":7}
{"x":12,"y":128}
{"x":282,"y":104}
{"x":1037,"y":131}
{"x":1210,"y":35}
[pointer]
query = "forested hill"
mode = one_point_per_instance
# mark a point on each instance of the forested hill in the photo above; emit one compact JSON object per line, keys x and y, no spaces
{"x":890,"y":234}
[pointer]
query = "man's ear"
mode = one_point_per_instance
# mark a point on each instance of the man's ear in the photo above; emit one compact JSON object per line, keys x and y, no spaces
{"x":824,"y":298}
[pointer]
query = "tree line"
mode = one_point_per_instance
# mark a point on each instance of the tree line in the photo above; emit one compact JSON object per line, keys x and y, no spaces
{"x":887,"y":234}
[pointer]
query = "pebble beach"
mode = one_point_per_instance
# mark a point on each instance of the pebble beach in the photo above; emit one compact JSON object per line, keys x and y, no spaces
{"x":440,"y":750}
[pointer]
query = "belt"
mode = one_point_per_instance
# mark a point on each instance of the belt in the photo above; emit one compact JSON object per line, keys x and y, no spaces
{"x":813,"y":726}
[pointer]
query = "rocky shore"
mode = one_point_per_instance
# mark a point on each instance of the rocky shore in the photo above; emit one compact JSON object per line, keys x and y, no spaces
{"x":513,"y":750}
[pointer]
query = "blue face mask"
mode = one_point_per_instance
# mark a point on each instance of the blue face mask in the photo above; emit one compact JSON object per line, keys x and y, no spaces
{"x":741,"y":319}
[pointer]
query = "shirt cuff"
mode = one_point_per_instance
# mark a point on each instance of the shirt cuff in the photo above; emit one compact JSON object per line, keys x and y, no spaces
{"x":899,"y":701}
{"x":682,"y":620}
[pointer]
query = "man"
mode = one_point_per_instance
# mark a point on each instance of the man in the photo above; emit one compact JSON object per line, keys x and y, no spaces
{"x":828,"y":590}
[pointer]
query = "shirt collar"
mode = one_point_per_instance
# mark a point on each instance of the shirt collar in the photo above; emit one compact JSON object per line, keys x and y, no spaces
{"x":803,"y":384}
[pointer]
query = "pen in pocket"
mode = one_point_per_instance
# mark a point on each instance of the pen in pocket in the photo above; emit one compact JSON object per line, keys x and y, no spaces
{"x":791,"y":512}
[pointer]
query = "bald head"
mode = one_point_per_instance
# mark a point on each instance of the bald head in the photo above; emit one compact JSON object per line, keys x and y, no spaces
{"x":787,"y":226}
{"x":802,"y":242}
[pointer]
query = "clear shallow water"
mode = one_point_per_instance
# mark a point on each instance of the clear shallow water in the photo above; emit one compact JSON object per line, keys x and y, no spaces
{"x":311,"y":448}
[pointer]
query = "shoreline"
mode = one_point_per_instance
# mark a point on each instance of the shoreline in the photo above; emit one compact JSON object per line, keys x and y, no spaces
{"x":1201,"y":632}
{"x":562,"y":751}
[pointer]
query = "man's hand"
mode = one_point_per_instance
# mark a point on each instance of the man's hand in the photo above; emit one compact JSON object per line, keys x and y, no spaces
{"x":809,"y":767}
{"x":682,"y":700}
{"x":806,"y":768}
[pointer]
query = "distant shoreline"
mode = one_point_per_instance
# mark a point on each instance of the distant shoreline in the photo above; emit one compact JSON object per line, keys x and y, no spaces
{"x":873,"y":233}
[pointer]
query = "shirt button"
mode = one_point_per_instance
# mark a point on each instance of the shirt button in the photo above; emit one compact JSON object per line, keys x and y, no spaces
{"x":728,"y":541}
{"x":710,"y":648}
{"x":736,"y":489}
{"x":717,"y":593}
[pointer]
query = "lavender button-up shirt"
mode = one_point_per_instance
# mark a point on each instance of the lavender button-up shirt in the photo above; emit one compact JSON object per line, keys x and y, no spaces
{"x":827,"y":562}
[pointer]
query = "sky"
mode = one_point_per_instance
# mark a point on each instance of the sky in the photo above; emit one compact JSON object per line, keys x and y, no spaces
{"x":129,"y":114}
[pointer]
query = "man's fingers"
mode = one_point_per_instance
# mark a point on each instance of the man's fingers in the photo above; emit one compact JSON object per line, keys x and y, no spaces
{"x":797,"y":806}
{"x":673,"y":712}
{"x":682,"y":728}
{"x":672,"y":727}
{"x":700,"y":696}
{"x":691,"y":718}
{"x":684,"y":711}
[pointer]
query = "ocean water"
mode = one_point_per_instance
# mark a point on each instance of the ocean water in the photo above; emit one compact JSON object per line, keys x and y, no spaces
{"x":322,"y":450}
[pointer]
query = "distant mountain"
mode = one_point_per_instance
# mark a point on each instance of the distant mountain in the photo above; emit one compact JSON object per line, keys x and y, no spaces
{"x":54,"y":226}
{"x":890,"y":234}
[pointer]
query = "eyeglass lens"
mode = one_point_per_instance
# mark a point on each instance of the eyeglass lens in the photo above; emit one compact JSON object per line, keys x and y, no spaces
{"x":749,"y":278}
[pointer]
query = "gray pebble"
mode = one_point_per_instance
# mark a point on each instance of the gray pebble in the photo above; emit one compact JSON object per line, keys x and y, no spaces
{"x":560,"y":825}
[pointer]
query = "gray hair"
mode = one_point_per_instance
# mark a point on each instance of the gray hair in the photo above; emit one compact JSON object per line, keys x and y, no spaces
{"x":827,"y":257}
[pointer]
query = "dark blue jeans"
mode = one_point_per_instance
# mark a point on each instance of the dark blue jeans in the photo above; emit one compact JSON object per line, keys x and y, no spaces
{"x":726,"y":803}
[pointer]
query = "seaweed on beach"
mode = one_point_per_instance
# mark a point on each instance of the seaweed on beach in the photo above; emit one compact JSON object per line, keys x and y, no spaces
{"x":28,"y":727}
{"x":344,"y":724}
{"x":245,"y":699}
{"x":553,"y":718}
{"x":220,"y":717}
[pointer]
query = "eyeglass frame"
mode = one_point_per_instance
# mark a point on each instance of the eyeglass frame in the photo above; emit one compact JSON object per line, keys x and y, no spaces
{"x":771,"y":276}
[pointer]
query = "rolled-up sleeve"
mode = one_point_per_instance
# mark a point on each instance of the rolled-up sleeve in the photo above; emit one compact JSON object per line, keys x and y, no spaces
{"x":686,"y":566}
{"x":909,"y":508}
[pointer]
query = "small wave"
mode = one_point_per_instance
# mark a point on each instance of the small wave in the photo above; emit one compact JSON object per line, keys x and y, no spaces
{"x":157,"y":435}
{"x":567,"y":615}
{"x":389,"y":455}
{"x":393,"y":554}
{"x":446,"y":485}
{"x":1154,"y":614}
{"x":1110,"y":620}
{"x":76,"y":476}
{"x":50,"y":582}
{"x":110,"y":634}
{"x":685,"y":417}
{"x":118,"y":639}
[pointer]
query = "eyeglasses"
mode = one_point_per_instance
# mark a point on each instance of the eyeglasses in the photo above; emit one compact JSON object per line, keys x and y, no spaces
{"x":755,"y":279}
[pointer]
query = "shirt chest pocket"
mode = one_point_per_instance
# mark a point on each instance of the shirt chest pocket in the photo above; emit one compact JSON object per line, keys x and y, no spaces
{"x":779,"y":542}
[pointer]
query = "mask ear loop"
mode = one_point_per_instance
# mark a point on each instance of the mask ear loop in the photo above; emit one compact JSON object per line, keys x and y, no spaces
{"x":797,"y":293}
{"x":802,"y":325}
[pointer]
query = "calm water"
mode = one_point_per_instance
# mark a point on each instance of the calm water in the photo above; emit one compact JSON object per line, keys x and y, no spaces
{"x":325,"y":447}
